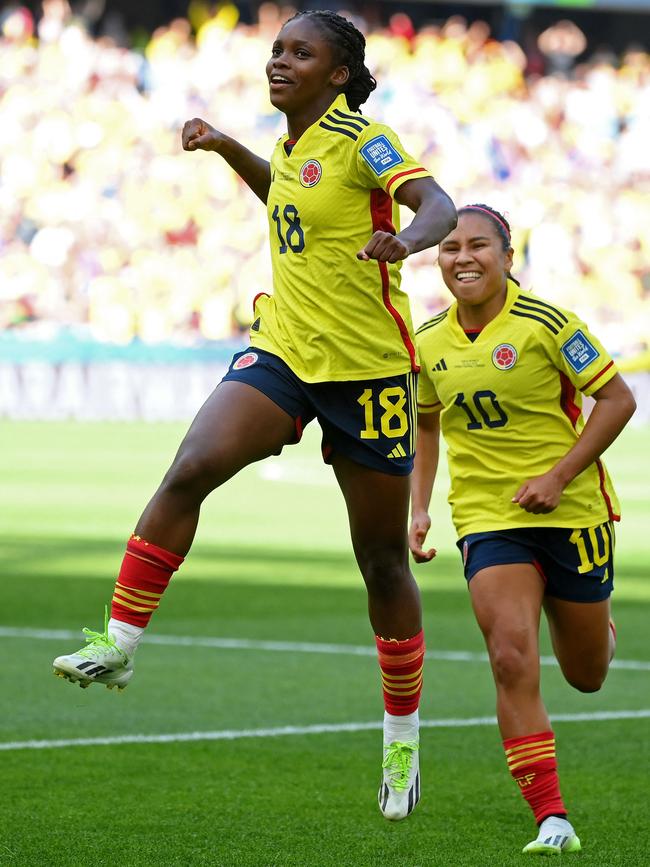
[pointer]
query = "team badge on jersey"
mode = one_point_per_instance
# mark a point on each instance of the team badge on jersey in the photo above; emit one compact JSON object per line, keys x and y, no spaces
{"x":310,"y":173}
{"x":245,"y":360}
{"x":579,"y":352}
{"x":504,"y":356}
{"x":380,"y":155}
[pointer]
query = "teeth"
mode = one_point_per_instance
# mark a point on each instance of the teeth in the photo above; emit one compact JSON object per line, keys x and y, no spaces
{"x":278,"y":79}
{"x":465,"y":274}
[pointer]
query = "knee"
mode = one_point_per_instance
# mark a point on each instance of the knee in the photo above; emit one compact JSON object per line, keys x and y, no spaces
{"x":511,"y":663}
{"x":191,"y":472}
{"x":384,"y":573}
{"x":590,"y":680}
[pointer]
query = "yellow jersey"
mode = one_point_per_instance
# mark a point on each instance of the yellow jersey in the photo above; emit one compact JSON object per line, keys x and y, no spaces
{"x":332,"y":316}
{"x":511,"y":407}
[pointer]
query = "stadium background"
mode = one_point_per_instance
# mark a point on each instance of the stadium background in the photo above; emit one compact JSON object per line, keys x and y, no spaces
{"x":127,"y":270}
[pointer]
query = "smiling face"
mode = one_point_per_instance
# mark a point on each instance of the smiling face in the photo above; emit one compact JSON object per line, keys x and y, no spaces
{"x":473,"y":262}
{"x":302,"y":70}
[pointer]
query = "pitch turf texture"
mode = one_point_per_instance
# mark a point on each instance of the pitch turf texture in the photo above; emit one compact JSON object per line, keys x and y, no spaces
{"x":272,"y":563}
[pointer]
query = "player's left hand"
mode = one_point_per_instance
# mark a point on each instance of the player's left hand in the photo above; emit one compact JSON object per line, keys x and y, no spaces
{"x":539,"y":495}
{"x":385,"y":248}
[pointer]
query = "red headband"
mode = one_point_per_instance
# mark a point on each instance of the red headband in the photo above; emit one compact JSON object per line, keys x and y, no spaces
{"x":490,"y":214}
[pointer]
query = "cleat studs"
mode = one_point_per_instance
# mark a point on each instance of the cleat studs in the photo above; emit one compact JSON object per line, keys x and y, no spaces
{"x":84,"y":684}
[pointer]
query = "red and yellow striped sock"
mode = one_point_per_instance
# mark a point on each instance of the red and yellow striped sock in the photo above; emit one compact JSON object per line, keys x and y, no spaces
{"x":531,"y":761}
{"x":401,"y":664}
{"x":144,"y":576}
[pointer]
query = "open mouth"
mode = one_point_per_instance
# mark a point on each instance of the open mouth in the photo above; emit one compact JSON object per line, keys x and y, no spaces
{"x":467,"y":276}
{"x":278,"y":82}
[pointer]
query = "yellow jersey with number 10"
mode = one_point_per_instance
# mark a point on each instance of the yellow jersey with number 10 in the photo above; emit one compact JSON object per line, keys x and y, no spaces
{"x":511,"y":407}
{"x":332,"y":316}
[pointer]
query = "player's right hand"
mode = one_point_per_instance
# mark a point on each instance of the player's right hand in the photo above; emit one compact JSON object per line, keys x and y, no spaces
{"x":420,"y":524}
{"x":198,"y":135}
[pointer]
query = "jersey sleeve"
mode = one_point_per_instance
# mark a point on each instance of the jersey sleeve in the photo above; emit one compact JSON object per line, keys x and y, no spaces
{"x":428,"y":400}
{"x":582,"y":357}
{"x":383,"y":162}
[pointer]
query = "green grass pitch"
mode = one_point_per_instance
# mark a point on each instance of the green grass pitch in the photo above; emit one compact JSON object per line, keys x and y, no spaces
{"x":272,"y":563}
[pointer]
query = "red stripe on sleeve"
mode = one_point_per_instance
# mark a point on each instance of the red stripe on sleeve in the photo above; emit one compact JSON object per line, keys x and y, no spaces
{"x":597,"y":376}
{"x":401,"y":175}
{"x":259,"y":295}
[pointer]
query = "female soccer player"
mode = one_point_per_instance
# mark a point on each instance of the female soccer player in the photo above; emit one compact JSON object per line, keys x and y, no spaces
{"x":333,"y":342}
{"x":502,"y":372}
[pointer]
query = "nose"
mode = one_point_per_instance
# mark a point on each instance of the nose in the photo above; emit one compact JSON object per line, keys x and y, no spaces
{"x":279,"y":60}
{"x":463,"y":256}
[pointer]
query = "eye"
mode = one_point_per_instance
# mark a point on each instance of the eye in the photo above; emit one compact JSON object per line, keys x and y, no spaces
{"x":302,"y":53}
{"x":276,"y":51}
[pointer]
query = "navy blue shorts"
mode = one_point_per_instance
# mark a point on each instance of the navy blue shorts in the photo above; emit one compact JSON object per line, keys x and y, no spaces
{"x":370,"y":421}
{"x":576,"y":565}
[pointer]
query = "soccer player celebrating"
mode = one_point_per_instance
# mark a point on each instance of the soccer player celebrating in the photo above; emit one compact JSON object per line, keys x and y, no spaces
{"x":334,"y":342}
{"x":502,"y":372}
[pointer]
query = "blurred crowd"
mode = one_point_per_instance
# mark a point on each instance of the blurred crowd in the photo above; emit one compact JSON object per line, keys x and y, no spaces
{"x":109,"y":229}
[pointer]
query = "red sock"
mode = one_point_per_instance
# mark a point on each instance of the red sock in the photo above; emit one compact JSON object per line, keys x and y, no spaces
{"x":144,"y":575}
{"x":401,"y":665}
{"x":531,"y":761}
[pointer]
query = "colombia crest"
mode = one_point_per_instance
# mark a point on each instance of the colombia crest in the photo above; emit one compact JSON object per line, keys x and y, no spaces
{"x":504,"y":356}
{"x":310,"y":173}
{"x":245,"y":360}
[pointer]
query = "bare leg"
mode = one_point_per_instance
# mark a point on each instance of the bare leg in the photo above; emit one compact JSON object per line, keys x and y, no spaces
{"x":507,"y":602}
{"x":377,"y":506}
{"x":236,"y":426}
{"x":582,"y":640}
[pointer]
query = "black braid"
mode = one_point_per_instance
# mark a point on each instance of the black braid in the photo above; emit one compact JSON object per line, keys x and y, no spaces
{"x":498,"y":221}
{"x":349,"y":46}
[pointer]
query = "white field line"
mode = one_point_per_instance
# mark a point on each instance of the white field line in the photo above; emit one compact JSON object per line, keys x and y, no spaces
{"x":285,"y":646}
{"x":284,"y":731}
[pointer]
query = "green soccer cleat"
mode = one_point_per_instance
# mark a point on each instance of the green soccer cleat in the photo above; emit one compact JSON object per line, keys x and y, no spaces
{"x":100,"y":661}
{"x":556,"y":836}
{"x":399,"y":791}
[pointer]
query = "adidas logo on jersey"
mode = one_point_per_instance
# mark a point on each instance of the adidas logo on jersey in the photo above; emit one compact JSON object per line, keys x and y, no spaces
{"x":440,"y":365}
{"x":397,"y":452}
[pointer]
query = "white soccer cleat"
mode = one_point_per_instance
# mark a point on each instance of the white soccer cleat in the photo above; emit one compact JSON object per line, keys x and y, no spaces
{"x":100,"y":661}
{"x":555,"y":836}
{"x":399,"y":791}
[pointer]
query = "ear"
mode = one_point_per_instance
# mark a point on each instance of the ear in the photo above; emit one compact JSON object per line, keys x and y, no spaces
{"x":508,"y":260}
{"x":340,"y":76}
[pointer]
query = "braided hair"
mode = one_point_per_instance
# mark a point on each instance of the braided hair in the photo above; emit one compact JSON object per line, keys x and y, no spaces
{"x":349,"y":47}
{"x":500,"y":224}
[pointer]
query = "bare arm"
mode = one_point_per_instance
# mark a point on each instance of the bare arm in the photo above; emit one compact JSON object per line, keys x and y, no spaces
{"x":435,"y":217}
{"x":424,"y":474}
{"x":614,"y":407}
{"x":256,"y":172}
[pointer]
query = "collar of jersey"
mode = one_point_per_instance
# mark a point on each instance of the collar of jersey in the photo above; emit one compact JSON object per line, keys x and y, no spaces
{"x":340,"y":102}
{"x":511,"y":296}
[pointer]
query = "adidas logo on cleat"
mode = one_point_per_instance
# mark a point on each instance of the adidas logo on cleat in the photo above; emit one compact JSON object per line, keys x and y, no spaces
{"x":100,"y":661}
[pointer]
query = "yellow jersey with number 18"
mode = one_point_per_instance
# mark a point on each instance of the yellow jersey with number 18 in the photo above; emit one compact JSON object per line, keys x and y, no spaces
{"x":510,"y":404}
{"x":332,"y":316}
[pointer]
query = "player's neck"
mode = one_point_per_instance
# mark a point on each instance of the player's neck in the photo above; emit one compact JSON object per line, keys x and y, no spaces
{"x":298,"y":122}
{"x":474,"y":317}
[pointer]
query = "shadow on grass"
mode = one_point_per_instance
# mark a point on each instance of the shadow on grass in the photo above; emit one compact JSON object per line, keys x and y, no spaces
{"x":249,"y":592}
